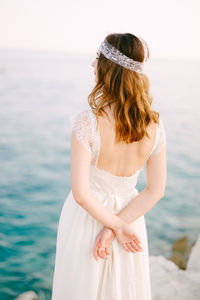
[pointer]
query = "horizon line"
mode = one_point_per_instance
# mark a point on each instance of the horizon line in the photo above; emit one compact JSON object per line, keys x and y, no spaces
{"x":84,"y":53}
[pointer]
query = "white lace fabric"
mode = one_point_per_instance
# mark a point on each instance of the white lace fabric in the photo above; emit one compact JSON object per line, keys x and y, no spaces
{"x":85,"y":127}
{"x":160,"y":138}
{"x":113,"y":54}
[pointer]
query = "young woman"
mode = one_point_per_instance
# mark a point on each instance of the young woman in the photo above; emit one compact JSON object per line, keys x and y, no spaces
{"x":102,"y":246}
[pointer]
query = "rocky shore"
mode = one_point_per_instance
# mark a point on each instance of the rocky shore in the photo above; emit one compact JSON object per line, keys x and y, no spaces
{"x":176,"y":278}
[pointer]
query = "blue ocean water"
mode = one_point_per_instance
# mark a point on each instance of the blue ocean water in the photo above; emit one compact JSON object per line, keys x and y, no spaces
{"x":39,"y":91}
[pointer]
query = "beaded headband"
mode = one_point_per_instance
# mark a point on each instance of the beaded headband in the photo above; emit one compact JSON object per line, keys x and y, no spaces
{"x":113,"y":54}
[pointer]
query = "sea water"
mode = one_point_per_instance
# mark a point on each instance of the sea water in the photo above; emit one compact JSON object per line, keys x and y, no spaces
{"x":39,"y":93}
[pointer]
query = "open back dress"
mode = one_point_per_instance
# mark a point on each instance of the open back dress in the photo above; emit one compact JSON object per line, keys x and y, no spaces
{"x":77,"y":275}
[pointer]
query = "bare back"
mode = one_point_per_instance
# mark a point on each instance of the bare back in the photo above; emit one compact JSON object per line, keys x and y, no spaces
{"x":122,"y":159}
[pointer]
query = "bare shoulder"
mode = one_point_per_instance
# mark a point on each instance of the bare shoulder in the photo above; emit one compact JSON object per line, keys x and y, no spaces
{"x":107,"y":120}
{"x":151,"y":131}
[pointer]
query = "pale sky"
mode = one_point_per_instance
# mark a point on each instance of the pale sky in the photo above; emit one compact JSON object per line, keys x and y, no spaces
{"x":170,"y":27}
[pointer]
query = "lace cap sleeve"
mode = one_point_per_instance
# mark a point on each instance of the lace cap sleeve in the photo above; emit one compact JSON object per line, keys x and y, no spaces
{"x":161,"y":138}
{"x":82,"y":126}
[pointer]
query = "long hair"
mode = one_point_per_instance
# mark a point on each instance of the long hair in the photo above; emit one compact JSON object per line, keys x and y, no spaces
{"x":128,"y":90}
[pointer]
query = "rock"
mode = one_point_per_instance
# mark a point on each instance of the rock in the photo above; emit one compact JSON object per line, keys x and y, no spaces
{"x":180,"y":252}
{"x":193,"y":263}
{"x":29,"y":295}
{"x":161,"y":270}
{"x":170,"y":282}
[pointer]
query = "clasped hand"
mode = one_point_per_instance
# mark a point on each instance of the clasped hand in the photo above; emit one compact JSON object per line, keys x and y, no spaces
{"x":126,"y":236}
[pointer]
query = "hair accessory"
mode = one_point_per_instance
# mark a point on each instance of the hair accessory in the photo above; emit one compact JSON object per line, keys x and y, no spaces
{"x":113,"y":54}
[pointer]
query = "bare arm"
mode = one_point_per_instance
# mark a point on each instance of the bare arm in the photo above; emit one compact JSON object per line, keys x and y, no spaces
{"x":156,"y":170}
{"x":80,"y":163}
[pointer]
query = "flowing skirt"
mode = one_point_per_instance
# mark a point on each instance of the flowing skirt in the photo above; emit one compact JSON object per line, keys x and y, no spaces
{"x":78,"y":276}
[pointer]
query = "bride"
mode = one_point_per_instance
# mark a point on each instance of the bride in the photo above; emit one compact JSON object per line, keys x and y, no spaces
{"x":102,"y":246}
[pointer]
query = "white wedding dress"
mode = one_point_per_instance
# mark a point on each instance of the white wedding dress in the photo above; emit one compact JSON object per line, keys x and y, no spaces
{"x":77,"y":275}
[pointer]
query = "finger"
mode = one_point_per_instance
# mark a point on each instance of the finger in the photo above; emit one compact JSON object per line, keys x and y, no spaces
{"x":95,"y":253}
{"x":96,"y":245}
{"x":136,"y":239}
{"x":101,"y":251}
{"x":107,"y":251}
{"x":131,"y":248}
{"x":123,"y":244}
{"x":132,"y":244}
{"x":136,"y":246}
{"x":139,"y":245}
{"x":106,"y":256}
{"x":125,"y":247}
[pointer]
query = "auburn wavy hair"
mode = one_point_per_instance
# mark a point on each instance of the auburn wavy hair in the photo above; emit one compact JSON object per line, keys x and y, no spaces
{"x":127,"y":89}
